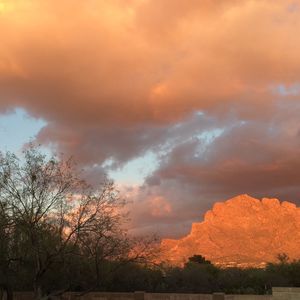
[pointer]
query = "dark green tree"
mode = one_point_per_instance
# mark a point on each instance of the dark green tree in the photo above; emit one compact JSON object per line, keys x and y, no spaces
{"x":198,"y":259}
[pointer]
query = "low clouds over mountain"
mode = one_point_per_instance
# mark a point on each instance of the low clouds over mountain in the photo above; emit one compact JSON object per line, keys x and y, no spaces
{"x":211,"y":88}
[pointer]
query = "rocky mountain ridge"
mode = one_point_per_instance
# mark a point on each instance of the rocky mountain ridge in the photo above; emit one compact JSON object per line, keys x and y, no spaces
{"x":242,"y":231}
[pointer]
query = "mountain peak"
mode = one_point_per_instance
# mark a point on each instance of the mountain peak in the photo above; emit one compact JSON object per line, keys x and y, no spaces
{"x":242,"y":231}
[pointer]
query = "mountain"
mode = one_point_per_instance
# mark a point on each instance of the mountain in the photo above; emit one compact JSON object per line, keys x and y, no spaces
{"x":242,"y":231}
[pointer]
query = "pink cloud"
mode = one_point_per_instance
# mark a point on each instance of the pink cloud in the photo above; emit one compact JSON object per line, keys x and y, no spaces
{"x":114,"y":79}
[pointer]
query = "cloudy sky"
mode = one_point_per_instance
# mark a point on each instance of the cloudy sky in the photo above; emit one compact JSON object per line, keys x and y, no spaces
{"x":182,"y":102}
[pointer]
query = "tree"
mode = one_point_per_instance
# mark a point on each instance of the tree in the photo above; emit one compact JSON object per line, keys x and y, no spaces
{"x":5,"y":258}
{"x":198,"y":259}
{"x":52,"y":212}
{"x":200,"y":275}
{"x":114,"y":250}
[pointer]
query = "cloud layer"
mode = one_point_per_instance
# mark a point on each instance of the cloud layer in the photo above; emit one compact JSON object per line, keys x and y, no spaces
{"x":212,"y":87}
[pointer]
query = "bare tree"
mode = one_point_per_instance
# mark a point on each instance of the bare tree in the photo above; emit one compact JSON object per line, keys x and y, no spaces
{"x":53,"y":210}
{"x":5,"y":254}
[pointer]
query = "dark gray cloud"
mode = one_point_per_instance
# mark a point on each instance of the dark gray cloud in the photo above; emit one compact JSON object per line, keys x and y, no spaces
{"x":260,"y":158}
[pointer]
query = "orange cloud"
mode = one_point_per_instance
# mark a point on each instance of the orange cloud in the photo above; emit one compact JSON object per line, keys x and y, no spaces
{"x":116,"y":78}
{"x":136,"y":61}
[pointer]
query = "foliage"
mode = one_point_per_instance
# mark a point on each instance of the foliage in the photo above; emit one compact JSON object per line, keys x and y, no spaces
{"x":198,"y":259}
{"x":51,"y":219}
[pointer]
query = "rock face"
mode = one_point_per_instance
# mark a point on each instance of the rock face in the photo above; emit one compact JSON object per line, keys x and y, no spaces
{"x":242,"y":231}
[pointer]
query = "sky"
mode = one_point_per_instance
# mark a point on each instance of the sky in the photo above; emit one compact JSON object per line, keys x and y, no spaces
{"x":182,"y":103}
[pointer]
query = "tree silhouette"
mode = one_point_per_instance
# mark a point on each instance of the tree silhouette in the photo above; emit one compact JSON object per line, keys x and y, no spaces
{"x":199,"y":259}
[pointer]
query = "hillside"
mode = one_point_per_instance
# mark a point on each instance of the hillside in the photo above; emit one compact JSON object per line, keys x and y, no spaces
{"x":242,"y":231}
